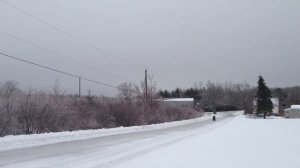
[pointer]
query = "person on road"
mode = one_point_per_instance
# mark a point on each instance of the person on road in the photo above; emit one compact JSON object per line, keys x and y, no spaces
{"x":214,"y":118}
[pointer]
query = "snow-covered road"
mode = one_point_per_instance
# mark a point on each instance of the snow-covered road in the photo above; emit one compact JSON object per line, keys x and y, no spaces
{"x":105,"y":151}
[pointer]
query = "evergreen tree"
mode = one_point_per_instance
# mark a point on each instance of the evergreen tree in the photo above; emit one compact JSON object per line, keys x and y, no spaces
{"x":167,"y":94}
{"x":263,"y":95}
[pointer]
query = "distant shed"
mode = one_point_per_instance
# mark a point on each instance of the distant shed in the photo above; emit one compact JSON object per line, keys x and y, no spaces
{"x":179,"y":102}
{"x":293,"y":112}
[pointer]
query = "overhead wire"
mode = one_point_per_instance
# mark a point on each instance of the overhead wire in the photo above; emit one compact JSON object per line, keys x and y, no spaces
{"x":62,"y":56}
{"x":74,"y":37}
{"x":71,"y":36}
{"x":59,"y":71}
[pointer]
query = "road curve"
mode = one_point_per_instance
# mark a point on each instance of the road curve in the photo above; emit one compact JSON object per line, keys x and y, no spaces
{"x":104,"y":151}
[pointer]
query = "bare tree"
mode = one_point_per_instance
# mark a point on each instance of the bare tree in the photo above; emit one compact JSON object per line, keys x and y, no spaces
{"x":57,"y":91}
{"x":152,"y":94}
{"x":212,"y":95}
{"x":7,"y":93}
{"x":244,"y":92}
{"x":127,"y":91}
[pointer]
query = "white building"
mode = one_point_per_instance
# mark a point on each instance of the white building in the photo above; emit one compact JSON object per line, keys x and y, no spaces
{"x":293,"y":112}
{"x":178,"y":102}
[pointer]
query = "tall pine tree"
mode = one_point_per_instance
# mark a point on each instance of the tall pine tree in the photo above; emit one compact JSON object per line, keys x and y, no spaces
{"x":263,"y":95}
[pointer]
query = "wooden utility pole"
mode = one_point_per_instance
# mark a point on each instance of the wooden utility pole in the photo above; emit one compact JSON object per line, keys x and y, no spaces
{"x":146,"y":85}
{"x":79,"y":87}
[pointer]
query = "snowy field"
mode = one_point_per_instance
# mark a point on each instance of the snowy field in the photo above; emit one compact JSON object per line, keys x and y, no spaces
{"x":233,"y":141}
{"x":241,"y":143}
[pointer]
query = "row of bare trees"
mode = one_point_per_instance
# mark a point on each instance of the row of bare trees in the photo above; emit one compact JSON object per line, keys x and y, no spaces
{"x":34,"y":112}
{"x":28,"y":112}
{"x":31,"y":111}
{"x":147,"y":109}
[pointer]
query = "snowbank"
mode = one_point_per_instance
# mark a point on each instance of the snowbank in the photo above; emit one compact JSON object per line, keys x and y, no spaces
{"x":295,"y":106}
{"x":180,"y":99}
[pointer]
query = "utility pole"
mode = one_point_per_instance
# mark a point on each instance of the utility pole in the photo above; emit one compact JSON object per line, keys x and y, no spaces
{"x":146,"y":85}
{"x":79,"y":87}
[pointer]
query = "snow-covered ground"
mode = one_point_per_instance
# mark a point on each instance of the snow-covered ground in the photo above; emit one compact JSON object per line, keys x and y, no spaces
{"x":243,"y":142}
{"x":23,"y":141}
{"x":233,"y":141}
{"x":106,"y":150}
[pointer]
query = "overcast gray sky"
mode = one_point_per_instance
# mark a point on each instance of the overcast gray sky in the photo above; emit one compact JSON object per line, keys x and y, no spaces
{"x":182,"y":42}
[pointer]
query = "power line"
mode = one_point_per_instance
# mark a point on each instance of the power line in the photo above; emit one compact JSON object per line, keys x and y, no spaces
{"x":71,"y":36}
{"x":59,"y":55}
{"x":56,"y":70}
{"x":100,"y":83}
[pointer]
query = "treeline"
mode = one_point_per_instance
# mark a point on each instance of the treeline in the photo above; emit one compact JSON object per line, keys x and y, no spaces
{"x":28,"y":112}
{"x":217,"y":96}
{"x":228,"y":96}
{"x":31,"y":111}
